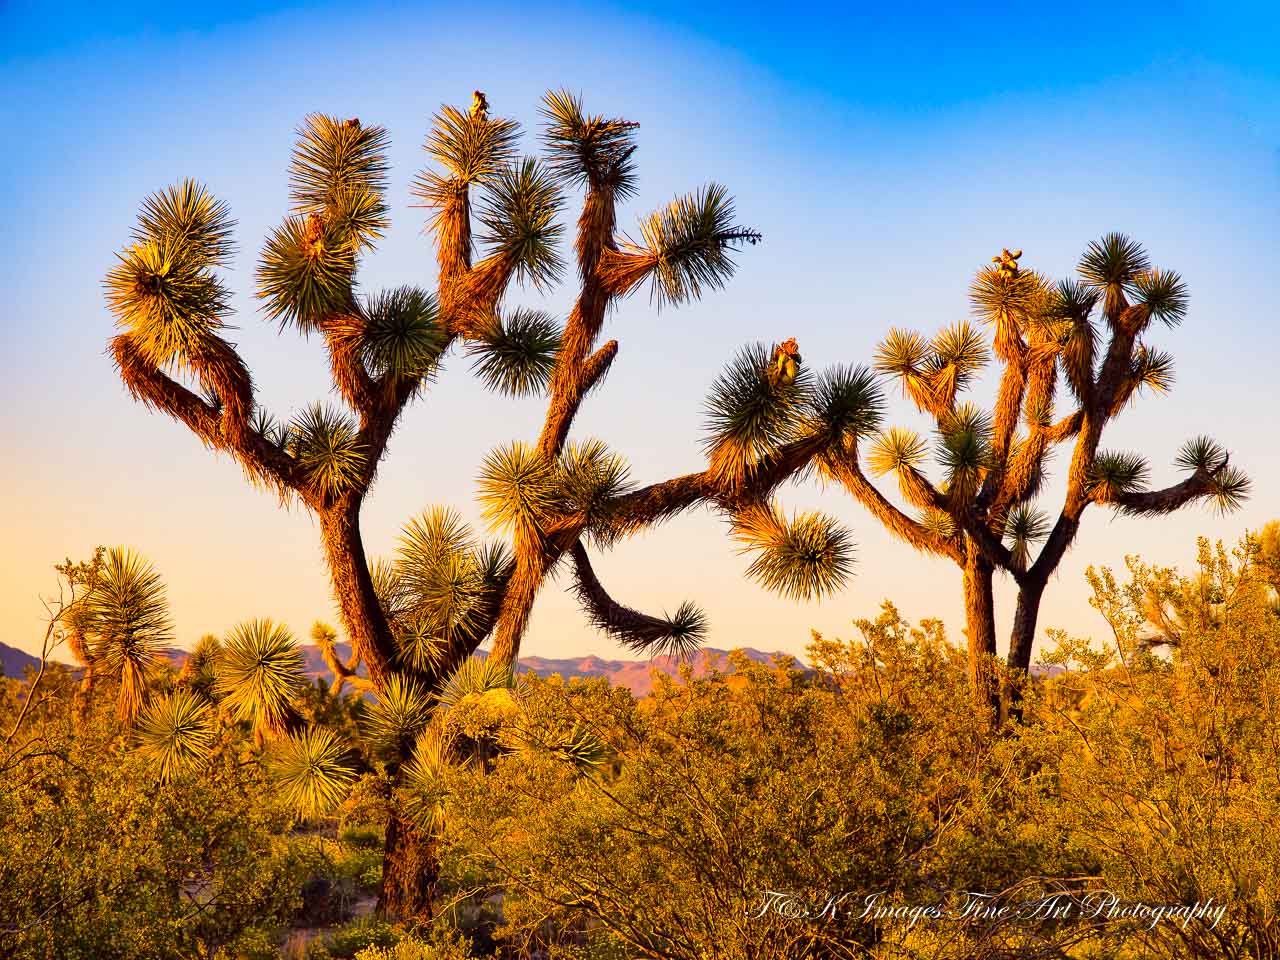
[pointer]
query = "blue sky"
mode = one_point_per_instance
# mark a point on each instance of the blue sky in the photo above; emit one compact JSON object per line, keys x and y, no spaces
{"x":884,"y":153}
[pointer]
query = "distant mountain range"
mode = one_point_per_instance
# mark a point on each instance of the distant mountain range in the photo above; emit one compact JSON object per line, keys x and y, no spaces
{"x":635,"y":675}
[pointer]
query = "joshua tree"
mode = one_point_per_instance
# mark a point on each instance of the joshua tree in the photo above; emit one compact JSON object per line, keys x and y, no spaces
{"x":1090,"y":333}
{"x":414,"y":621}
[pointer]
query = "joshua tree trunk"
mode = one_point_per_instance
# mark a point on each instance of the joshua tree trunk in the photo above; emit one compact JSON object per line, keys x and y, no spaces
{"x":979,"y":610}
{"x":353,"y":587}
{"x":1024,"y":624}
{"x":410,"y":872}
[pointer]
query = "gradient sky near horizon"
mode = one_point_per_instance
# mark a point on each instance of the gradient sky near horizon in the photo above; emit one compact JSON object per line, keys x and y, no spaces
{"x":885,"y":152}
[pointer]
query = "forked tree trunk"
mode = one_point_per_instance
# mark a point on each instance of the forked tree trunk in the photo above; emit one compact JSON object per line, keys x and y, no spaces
{"x":980,"y":628}
{"x":1020,"y":642}
{"x":353,"y":588}
{"x":410,"y":872}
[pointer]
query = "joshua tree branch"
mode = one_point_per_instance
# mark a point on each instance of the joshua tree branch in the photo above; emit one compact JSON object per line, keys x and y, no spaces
{"x":344,"y":334}
{"x":845,"y":470}
{"x":569,"y":379}
{"x":564,"y":407}
{"x":639,"y":631}
{"x":659,"y":501}
{"x":1148,"y":502}
{"x":223,"y":429}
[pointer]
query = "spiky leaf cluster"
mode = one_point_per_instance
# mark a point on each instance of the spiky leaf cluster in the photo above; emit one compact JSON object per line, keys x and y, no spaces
{"x":1152,"y":369}
{"x":403,"y":337}
{"x":1116,"y":473}
{"x":127,"y":616}
{"x":691,"y":241}
{"x":518,"y":487}
{"x":442,"y":581}
{"x":401,"y":712}
{"x":590,"y":477}
{"x":516,"y":352}
{"x":328,"y":450}
{"x":802,"y":558}
{"x":306,"y":270}
{"x":1024,"y":527}
{"x":472,"y":149}
{"x":895,"y":450}
{"x":163,"y":290}
{"x":845,"y":404}
{"x":339,"y":172}
{"x":750,"y":413}
{"x":584,"y":149}
{"x":933,"y":372}
{"x":312,"y":770}
{"x":423,"y":779}
{"x":176,"y":733}
{"x":260,"y":676}
{"x":964,"y":448}
{"x":518,"y":215}
{"x":1164,"y":295}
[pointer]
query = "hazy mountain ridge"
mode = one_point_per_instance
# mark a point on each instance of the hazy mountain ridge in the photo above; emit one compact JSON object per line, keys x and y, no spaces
{"x":635,"y":675}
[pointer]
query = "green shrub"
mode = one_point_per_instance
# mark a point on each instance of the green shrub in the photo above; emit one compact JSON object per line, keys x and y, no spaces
{"x":347,"y":941}
{"x":411,"y":948}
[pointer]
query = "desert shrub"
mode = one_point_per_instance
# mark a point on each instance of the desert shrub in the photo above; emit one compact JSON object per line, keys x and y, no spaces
{"x":413,"y":948}
{"x":98,"y":859}
{"x":872,"y":775}
{"x":1168,"y":737}
{"x":346,"y":941}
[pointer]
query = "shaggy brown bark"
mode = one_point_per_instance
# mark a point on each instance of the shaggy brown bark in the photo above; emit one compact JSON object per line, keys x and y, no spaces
{"x":410,"y":873}
{"x":353,"y":589}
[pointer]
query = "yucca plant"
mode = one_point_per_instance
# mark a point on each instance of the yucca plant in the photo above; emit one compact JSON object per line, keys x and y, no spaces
{"x":121,"y":628}
{"x":497,"y":221}
{"x":1087,"y":335}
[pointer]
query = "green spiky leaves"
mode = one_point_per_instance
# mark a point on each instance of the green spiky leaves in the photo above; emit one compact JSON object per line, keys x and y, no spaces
{"x":895,"y":450}
{"x":339,"y":171}
{"x":519,"y":487}
{"x":932,"y":372}
{"x":186,"y":215}
{"x":515,"y":353}
{"x":403,"y":338}
{"x":591,"y":476}
{"x":176,"y":733}
{"x":750,"y":413}
{"x":846,"y":403}
{"x":1024,"y":527}
{"x":338,"y":176}
{"x":1113,"y":261}
{"x":163,"y":290}
{"x":471,"y":147}
{"x":518,"y":216}
{"x":964,"y":448}
{"x":1114,"y":474}
{"x":1152,"y":369}
{"x":1164,"y":295}
{"x":588,"y":150}
{"x":1229,"y":485}
{"x":260,"y":676}
{"x":424,"y":780}
{"x":802,"y":558}
{"x":312,"y":770}
{"x":689,"y":245}
{"x":306,"y":270}
{"x":443,"y":582}
{"x":127,"y":616}
{"x":401,"y":713}
{"x":328,"y":450}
